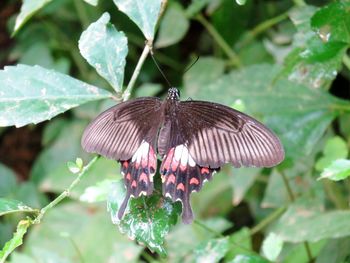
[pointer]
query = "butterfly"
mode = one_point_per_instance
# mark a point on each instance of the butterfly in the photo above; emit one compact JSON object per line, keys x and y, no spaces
{"x":193,"y":139}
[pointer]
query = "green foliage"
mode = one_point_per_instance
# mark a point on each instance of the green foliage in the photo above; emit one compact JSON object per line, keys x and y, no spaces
{"x":286,"y":63}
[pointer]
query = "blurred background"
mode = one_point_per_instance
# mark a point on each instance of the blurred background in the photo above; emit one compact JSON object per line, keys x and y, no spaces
{"x":284,"y":62}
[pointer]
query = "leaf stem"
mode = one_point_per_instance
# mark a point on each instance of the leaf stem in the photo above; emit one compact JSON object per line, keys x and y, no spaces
{"x":292,"y":199}
{"x":66,"y":192}
{"x":262,"y":27}
{"x":264,"y":223}
{"x":81,"y":11}
{"x":137,"y":70}
{"x":219,"y":40}
{"x":205,"y":227}
{"x":346,"y":61}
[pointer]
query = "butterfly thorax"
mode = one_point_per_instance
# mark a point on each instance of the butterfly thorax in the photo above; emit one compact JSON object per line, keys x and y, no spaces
{"x":173,"y":94}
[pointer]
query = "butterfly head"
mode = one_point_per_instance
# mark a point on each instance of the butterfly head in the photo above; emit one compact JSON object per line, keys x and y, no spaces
{"x":173,"y":94}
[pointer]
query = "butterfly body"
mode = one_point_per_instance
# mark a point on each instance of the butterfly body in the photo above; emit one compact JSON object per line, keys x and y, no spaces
{"x":193,"y":139}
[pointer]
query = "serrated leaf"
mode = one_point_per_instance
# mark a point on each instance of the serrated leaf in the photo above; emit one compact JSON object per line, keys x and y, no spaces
{"x":105,"y":49}
{"x":298,"y":114}
{"x":16,"y":240}
{"x":146,"y":219}
{"x":144,"y":14}
{"x":32,"y":94}
{"x":168,"y":34}
{"x":272,"y":246}
{"x":212,"y":250}
{"x":8,"y":206}
{"x":303,"y":223}
{"x":335,"y":148}
{"x":28,"y":9}
{"x":337,"y":170}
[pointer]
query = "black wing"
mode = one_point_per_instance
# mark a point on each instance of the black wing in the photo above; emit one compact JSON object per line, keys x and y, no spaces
{"x":216,"y":134}
{"x":119,"y":131}
{"x":127,"y":132}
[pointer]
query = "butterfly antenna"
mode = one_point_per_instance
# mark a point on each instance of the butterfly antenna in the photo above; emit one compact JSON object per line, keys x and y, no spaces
{"x":160,"y":70}
{"x":192,"y":64}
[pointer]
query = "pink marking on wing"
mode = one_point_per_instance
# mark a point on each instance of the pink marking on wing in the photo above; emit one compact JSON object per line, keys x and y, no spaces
{"x":143,"y":177}
{"x":128,"y":176}
{"x":180,"y":186}
{"x":183,"y":167}
{"x":174,"y":164}
{"x":171,"y":179}
{"x":194,"y":181}
{"x":125,"y":164}
{"x":168,"y":158}
{"x":133,"y":184}
{"x":204,"y":170}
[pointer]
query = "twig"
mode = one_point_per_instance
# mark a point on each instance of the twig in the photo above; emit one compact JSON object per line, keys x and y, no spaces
{"x":137,"y":70}
{"x":264,"y":223}
{"x":292,"y":199}
{"x":219,"y":40}
{"x":66,"y":192}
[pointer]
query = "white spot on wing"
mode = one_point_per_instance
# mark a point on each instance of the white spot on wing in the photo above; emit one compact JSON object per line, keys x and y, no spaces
{"x":141,"y":151}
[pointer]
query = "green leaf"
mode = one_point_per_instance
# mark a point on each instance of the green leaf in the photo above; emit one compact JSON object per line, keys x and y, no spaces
{"x":28,"y":9}
{"x":144,"y":14}
{"x":299,"y":115}
{"x":272,"y":246}
{"x":336,"y":250}
{"x":248,"y":259}
{"x":302,"y":223}
{"x":98,"y":192}
{"x":168,"y":34}
{"x":337,"y":170}
{"x":212,"y":250}
{"x":240,"y":242}
{"x":91,"y":188}
{"x":147,"y":219}
{"x":34,"y":94}
{"x":16,"y":240}
{"x":105,"y":49}
{"x":335,"y":148}
{"x":73,"y":167}
{"x":83,"y":233}
{"x":66,"y":147}
{"x":92,"y":2}
{"x":7,"y":181}
{"x":241,"y":180}
{"x":206,"y":70}
{"x":196,"y":6}
{"x":319,"y":45}
{"x":179,"y":247}
{"x":332,"y":22}
{"x":8,"y":206}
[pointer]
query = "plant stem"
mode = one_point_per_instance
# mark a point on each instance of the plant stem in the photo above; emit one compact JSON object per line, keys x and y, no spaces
{"x":137,"y":70}
{"x":262,"y":27}
{"x":205,"y":227}
{"x":292,"y":199}
{"x":264,"y":223}
{"x":81,"y":11}
{"x":66,"y":192}
{"x":346,"y":61}
{"x":287,"y":185}
{"x":219,"y":40}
